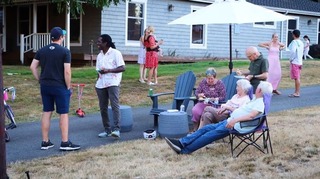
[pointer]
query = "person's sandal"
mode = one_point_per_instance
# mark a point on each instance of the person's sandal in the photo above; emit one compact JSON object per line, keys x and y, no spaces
{"x":294,"y":96}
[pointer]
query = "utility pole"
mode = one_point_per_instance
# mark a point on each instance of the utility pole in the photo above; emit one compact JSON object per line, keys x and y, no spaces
{"x":3,"y":162}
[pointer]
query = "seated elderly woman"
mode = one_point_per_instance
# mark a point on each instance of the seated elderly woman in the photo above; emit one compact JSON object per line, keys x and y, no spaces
{"x":213,"y":132}
{"x":209,"y":89}
{"x":214,"y":115}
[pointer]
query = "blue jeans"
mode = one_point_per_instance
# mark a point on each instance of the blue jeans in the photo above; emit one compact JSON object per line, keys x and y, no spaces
{"x":204,"y":136}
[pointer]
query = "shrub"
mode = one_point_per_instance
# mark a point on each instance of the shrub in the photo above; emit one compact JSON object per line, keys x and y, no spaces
{"x":315,"y":50}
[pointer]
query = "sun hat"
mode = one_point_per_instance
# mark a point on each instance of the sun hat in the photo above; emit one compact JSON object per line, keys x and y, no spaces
{"x":56,"y":32}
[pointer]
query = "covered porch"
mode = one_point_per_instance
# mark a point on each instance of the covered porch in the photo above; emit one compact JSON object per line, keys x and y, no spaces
{"x":26,"y":29}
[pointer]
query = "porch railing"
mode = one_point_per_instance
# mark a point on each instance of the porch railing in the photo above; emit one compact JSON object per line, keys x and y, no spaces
{"x":33,"y":42}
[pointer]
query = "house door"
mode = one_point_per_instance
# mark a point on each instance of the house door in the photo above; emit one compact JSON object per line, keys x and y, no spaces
{"x":292,"y":25}
{"x":42,"y":19}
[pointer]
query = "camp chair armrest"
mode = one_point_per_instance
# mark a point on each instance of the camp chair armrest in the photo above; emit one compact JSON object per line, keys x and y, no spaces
{"x":252,"y":123}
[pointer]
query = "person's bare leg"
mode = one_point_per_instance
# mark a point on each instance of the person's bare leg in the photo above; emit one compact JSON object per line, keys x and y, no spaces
{"x":141,"y":71}
{"x":45,"y":125}
{"x":151,"y":71}
{"x":297,"y":86}
{"x":64,"y":127}
{"x":156,"y":75}
{"x":144,"y":73}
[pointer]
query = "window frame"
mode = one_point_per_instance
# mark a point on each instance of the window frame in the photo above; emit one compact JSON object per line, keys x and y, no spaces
{"x":297,"y":18}
{"x":264,"y":25}
{"x":205,"y":32}
{"x":18,"y":21}
{"x":80,"y":33}
{"x":318,"y":31}
{"x":144,"y":20}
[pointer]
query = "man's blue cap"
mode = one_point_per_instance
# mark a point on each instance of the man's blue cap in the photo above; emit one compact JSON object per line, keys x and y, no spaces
{"x":56,"y":32}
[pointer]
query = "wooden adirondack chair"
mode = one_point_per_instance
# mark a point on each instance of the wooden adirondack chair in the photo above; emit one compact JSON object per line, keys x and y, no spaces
{"x":230,"y":82}
{"x":181,"y":95}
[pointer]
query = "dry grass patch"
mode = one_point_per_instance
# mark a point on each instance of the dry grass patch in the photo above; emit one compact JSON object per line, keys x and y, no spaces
{"x":295,"y":143}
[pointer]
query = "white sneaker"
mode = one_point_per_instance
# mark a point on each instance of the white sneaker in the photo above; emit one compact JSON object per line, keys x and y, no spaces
{"x":151,"y":84}
{"x":104,"y":134}
{"x":115,"y":133}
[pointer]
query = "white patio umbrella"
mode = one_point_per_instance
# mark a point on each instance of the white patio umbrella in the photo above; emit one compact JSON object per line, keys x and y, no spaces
{"x":230,"y":12}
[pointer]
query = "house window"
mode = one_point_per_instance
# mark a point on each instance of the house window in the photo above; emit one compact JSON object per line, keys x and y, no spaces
{"x":135,"y":21}
{"x":75,"y":30}
{"x":270,"y":24}
{"x":198,"y":33}
{"x":292,"y":25}
{"x":24,"y":21}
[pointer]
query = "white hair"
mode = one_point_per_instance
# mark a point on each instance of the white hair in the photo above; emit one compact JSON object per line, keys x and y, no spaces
{"x":245,"y":85}
{"x":265,"y":87}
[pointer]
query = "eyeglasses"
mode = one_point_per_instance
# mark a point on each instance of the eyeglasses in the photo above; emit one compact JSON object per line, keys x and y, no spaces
{"x":249,"y":56}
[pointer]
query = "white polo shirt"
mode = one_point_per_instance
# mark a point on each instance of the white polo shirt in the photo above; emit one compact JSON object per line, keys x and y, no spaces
{"x":110,"y":60}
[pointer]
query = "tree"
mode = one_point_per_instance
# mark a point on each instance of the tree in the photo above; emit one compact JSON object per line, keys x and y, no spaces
{"x":75,"y":5}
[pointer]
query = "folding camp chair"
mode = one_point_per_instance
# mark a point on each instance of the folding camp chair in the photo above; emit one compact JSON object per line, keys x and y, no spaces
{"x":181,"y":95}
{"x":251,"y":138}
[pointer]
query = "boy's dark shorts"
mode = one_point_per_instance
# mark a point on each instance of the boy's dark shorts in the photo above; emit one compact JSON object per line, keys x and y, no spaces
{"x":55,"y":95}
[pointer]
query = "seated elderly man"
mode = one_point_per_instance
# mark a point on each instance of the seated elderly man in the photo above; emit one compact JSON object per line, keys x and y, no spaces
{"x":213,"y":132}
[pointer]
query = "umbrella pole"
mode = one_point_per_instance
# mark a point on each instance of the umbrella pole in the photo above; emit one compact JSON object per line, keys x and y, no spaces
{"x":230,"y":43}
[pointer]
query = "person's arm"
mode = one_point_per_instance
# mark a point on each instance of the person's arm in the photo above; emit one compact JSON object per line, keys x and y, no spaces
{"x":282,"y":46}
{"x":293,"y":49}
{"x":264,"y":45}
{"x":247,"y":117}
{"x":153,"y":43}
{"x":262,"y":76}
{"x":240,"y":72}
{"x":119,"y":69}
{"x":199,"y":91}
{"x":67,"y":74}
{"x":34,"y":68}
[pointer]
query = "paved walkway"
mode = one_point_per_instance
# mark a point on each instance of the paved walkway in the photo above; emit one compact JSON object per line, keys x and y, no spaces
{"x":26,"y":138}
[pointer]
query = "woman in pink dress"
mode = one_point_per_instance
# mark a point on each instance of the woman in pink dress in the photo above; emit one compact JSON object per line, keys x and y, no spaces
{"x":274,"y":47}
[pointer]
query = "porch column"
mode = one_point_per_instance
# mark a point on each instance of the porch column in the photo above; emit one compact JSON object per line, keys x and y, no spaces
{"x":4,"y":30}
{"x":67,"y":39}
{"x":35,"y":20}
{"x":34,"y":25}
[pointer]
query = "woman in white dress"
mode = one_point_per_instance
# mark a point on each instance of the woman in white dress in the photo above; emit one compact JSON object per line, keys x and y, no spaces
{"x":306,"y":47}
{"x":142,"y":60}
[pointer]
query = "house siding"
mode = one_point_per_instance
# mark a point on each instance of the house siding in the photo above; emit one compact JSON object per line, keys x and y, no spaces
{"x":177,"y":37}
{"x":91,"y":28}
{"x":112,"y":20}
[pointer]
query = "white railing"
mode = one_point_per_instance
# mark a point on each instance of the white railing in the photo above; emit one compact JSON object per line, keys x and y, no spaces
{"x":33,"y":42}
